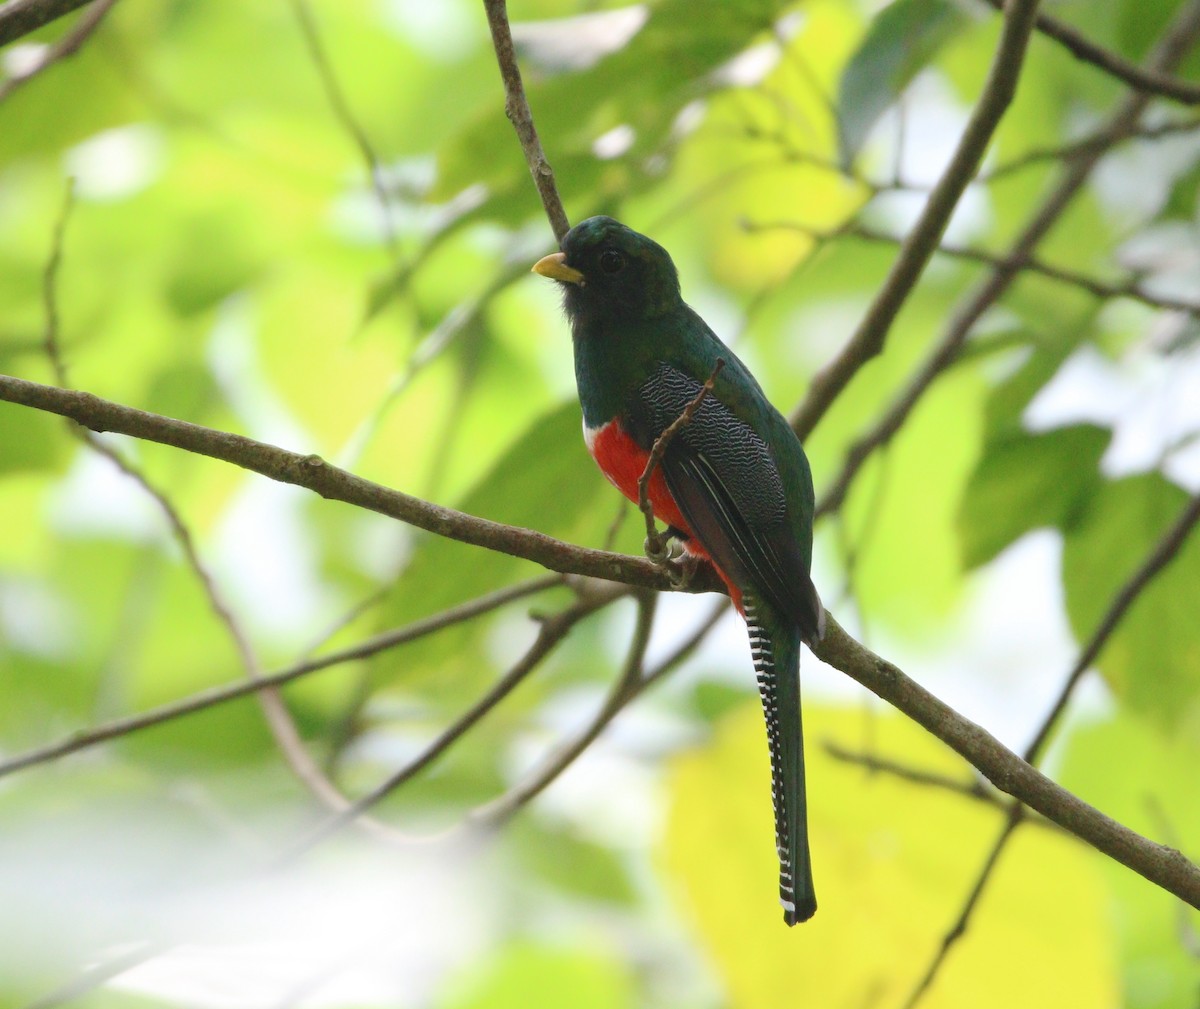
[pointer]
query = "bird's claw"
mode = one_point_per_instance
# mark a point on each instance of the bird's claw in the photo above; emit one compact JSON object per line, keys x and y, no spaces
{"x":658,"y":549}
{"x":682,"y":572}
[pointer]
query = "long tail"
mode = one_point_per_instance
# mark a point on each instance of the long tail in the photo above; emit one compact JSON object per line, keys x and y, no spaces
{"x":775,"y":646}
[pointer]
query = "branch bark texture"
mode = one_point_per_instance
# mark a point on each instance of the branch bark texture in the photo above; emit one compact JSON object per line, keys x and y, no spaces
{"x":315,"y":474}
{"x":1158,"y":863}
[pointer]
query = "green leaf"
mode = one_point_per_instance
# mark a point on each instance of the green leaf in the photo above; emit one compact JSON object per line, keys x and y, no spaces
{"x":901,"y":41}
{"x":1152,"y":660}
{"x":1026,"y":482}
{"x":1147,"y":782}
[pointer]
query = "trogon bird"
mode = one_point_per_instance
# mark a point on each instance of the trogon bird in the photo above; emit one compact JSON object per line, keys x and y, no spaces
{"x":733,"y":485}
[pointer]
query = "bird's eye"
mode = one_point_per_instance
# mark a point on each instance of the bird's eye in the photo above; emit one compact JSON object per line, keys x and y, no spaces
{"x":612,"y":261}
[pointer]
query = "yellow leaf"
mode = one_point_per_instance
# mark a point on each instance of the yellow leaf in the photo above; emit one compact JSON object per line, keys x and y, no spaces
{"x":893,"y":863}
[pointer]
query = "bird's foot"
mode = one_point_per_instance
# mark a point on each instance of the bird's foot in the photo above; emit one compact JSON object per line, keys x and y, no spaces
{"x":684,"y":570}
{"x":658,"y":548}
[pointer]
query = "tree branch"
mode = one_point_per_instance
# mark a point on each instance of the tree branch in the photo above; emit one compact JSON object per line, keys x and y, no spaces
{"x":516,"y":107}
{"x":20,"y":17}
{"x":1161,"y":865}
{"x":64,"y":48}
{"x":345,"y":115}
{"x":922,"y":241}
{"x":315,"y":474}
{"x":1128,"y":288}
{"x":1164,"y":551}
{"x":1152,"y":81}
{"x":628,"y":685}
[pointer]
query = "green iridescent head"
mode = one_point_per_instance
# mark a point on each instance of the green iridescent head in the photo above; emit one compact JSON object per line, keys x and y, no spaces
{"x":606,"y":268}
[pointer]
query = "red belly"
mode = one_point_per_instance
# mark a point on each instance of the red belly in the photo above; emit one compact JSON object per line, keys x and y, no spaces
{"x":623,"y":461}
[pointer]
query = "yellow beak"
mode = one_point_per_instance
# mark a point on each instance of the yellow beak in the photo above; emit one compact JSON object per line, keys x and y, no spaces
{"x":555,"y":267}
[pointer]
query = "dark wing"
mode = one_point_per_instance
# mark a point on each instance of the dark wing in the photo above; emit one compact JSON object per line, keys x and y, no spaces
{"x":728,"y":486}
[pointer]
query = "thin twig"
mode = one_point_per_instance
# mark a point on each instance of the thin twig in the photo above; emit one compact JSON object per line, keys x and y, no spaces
{"x":516,"y":107}
{"x":656,"y":543}
{"x":1150,"y":80}
{"x":65,"y":47}
{"x":278,"y":717}
{"x":628,"y":685}
{"x":1040,"y":155}
{"x":956,"y":931}
{"x":973,"y":789}
{"x":551,"y":633}
{"x":345,"y":115}
{"x":1130,"y":288}
{"x":921,"y":243}
{"x":214,"y":696}
{"x":1163,"y":553}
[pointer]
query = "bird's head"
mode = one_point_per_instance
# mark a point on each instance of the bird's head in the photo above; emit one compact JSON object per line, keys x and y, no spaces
{"x":607,"y":269}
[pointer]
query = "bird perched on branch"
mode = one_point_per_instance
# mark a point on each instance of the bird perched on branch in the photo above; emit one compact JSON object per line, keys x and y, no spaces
{"x":732,"y":484}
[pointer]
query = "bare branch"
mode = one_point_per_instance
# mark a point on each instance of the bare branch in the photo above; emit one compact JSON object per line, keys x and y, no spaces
{"x":552,"y":632}
{"x":921,"y":243}
{"x":1161,"y":865}
{"x":214,"y":696}
{"x":516,"y":107}
{"x":315,"y":474}
{"x":65,"y":47}
{"x":278,"y":717}
{"x":20,"y":17}
{"x":1164,"y":551}
{"x":345,"y":115}
{"x":628,"y":685}
{"x":1040,"y":155}
{"x":956,"y":931}
{"x":973,"y":789}
{"x":1129,"y":288}
{"x":1149,"y":80}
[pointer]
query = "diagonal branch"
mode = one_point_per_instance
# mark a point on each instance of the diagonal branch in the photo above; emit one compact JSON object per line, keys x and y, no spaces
{"x":1127,"y":288}
{"x":1150,"y":80}
{"x":922,"y":242}
{"x":628,"y":685}
{"x":315,"y":474}
{"x":345,"y":115}
{"x":551,"y":633}
{"x":1158,"y":863}
{"x":64,"y":48}
{"x":1163,"y":553}
{"x":20,"y":17}
{"x":214,"y":696}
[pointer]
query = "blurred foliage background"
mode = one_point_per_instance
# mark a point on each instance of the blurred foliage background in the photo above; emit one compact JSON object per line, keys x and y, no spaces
{"x":310,"y":222}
